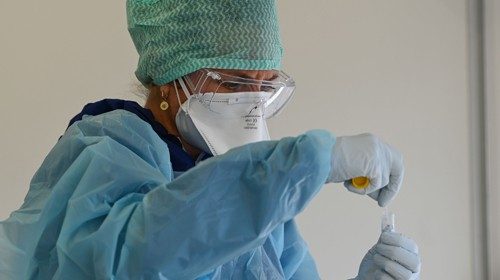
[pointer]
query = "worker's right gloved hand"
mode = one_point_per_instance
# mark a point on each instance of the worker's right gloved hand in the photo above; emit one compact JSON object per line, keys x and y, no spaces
{"x":366,"y":155}
{"x":394,"y":257}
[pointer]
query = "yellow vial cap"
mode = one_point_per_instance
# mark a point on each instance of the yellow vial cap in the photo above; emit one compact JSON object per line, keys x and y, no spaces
{"x":360,"y":182}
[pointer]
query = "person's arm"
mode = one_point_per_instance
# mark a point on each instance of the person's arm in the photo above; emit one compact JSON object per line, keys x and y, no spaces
{"x":213,"y":213}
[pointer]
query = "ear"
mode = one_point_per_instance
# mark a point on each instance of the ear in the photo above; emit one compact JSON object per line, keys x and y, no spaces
{"x":166,"y":90}
{"x":175,"y":96}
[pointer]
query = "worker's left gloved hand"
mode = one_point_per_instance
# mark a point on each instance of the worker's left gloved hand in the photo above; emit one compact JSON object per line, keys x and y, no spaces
{"x":394,"y":257}
{"x":366,"y":155}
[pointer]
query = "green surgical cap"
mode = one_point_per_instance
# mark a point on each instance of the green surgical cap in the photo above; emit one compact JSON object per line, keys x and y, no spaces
{"x":177,"y":37}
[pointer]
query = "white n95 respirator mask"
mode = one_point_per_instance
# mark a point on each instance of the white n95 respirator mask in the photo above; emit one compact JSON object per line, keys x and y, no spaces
{"x":219,"y":120}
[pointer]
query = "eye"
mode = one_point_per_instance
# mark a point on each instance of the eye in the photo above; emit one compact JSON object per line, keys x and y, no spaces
{"x":232,"y":86}
{"x":267,"y":88}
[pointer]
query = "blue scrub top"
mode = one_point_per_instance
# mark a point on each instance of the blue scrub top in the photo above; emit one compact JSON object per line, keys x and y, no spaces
{"x":105,"y":204}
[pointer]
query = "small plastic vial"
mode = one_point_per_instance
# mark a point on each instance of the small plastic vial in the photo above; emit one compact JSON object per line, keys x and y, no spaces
{"x":388,"y":221}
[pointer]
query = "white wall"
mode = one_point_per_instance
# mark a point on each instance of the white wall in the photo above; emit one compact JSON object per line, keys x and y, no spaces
{"x":492,"y":59}
{"x":55,"y":57}
{"x":394,"y":68}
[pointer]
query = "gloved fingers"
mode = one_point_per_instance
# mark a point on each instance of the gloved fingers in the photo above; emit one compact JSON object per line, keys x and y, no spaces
{"x":378,"y":182}
{"x":388,"y":193}
{"x":374,"y":195}
{"x":395,"y":179}
{"x":385,"y":196}
{"x":378,"y":179}
{"x":382,"y":275}
{"x":393,"y":268}
{"x":399,"y":240}
{"x":406,"y":258}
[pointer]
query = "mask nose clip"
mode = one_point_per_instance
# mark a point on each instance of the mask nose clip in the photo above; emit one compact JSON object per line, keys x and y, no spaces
{"x":214,"y":75}
{"x":260,"y":104}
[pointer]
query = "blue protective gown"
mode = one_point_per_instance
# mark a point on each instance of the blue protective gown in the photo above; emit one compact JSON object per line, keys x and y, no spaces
{"x":105,"y":205}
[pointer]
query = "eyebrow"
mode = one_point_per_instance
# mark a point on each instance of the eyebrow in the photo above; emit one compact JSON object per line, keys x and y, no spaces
{"x":242,"y":75}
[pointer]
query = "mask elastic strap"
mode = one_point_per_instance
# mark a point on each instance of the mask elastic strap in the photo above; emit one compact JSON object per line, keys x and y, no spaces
{"x":177,"y":94}
{"x":184,"y":88}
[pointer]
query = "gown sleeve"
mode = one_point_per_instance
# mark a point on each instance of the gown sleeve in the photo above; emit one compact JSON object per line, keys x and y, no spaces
{"x":296,"y":260}
{"x":113,"y":210}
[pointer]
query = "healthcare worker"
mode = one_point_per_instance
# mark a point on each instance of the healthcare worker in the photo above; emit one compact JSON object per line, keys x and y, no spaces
{"x":190,"y":186}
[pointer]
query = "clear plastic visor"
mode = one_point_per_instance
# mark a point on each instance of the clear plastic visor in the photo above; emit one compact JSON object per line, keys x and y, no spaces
{"x":230,"y":95}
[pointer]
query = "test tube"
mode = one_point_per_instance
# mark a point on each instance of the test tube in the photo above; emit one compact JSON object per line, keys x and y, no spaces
{"x":388,"y":220}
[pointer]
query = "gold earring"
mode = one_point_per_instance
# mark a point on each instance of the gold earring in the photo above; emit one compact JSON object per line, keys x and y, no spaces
{"x":164,"y":104}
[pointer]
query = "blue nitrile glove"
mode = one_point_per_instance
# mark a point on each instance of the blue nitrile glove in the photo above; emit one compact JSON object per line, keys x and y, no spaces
{"x":394,"y":257}
{"x":366,"y":155}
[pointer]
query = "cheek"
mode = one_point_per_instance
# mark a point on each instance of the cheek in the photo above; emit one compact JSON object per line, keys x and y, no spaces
{"x":173,"y":114}
{"x":173,"y":100}
{"x":211,"y":86}
{"x":174,"y":104}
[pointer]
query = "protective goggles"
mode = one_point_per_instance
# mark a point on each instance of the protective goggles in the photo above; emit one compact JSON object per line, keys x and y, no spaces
{"x":230,"y":95}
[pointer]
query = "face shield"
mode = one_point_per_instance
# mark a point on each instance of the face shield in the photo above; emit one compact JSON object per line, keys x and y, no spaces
{"x":234,"y":96}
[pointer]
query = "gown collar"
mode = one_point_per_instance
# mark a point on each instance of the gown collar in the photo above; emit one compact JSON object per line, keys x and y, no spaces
{"x":181,"y":160}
